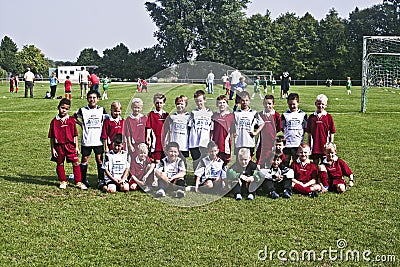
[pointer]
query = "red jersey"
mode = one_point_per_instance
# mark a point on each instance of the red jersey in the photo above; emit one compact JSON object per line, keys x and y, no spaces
{"x":266,"y":138}
{"x":138,"y":168}
{"x":111,"y":127}
{"x":135,"y":129}
{"x":63,"y":131}
{"x":304,"y":173}
{"x":337,"y":170}
{"x":223,"y":128}
{"x":320,"y":128}
{"x":67,"y":85}
{"x":155,"y":122}
{"x":94,"y":79}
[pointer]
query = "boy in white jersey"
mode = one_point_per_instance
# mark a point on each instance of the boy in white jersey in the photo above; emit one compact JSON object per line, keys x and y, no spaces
{"x":116,"y":167}
{"x":294,"y":123}
{"x":245,"y":121}
{"x":200,"y":126}
{"x":91,"y":118}
{"x":171,"y":172}
{"x":176,"y":125}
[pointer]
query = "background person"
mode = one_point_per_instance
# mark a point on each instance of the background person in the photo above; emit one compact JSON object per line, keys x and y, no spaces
{"x":29,"y":78}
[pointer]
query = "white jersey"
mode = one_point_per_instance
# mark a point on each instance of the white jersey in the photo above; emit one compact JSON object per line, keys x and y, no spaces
{"x":208,"y":169}
{"x":210,"y":77}
{"x":92,"y":125}
{"x":115,"y":164}
{"x":235,"y":76}
{"x":245,"y":121}
{"x":171,"y":168}
{"x":293,"y":125}
{"x":178,"y":129}
{"x":200,"y":125}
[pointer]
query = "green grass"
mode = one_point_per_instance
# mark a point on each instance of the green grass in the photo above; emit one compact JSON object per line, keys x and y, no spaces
{"x":44,"y":226}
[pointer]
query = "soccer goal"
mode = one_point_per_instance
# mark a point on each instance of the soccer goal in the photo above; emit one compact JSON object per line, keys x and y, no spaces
{"x":380,"y":64}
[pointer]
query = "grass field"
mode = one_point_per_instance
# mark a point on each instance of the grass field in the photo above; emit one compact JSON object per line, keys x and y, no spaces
{"x":44,"y":226}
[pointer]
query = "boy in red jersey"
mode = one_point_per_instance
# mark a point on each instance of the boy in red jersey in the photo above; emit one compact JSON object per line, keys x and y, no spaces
{"x":224,"y":127}
{"x":280,"y":143}
{"x":68,"y":86}
{"x":141,"y":169}
{"x":333,"y":169}
{"x":154,"y":127}
{"x":305,"y":173}
{"x":272,"y":125}
{"x":135,"y":126}
{"x":112,"y":125}
{"x":63,"y":136}
{"x":320,"y":129}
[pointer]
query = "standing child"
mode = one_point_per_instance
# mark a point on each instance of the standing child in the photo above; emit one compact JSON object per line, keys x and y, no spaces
{"x":294,"y":123}
{"x":16,"y":82}
{"x":223,"y":129}
{"x":280,"y":143}
{"x":244,"y":175}
{"x":12,"y":84}
{"x":68,"y":86}
{"x":277,"y":178}
{"x":141,"y":169}
{"x":200,"y":126}
{"x":171,"y":172}
{"x":257,"y":88}
{"x":228,"y":87}
{"x":273,"y":84}
{"x":63,"y":136}
{"x":348,"y":86}
{"x":176,"y":125}
{"x":105,"y":83}
{"x":91,"y":118}
{"x":271,"y":126}
{"x":135,"y":127}
{"x":320,"y":129}
{"x":245,"y":121}
{"x":112,"y":125}
{"x":239,"y":88}
{"x":144,"y":85}
{"x":305,"y":173}
{"x":210,"y":173}
{"x":116,"y":167}
{"x":333,"y":170}
{"x":154,"y":127}
{"x":139,"y":85}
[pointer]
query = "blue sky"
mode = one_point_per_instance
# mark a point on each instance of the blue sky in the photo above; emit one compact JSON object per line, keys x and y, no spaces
{"x":61,"y":29}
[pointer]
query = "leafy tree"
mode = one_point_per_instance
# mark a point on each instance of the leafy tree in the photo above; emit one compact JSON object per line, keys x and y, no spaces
{"x":114,"y":62}
{"x":32,"y":57}
{"x":88,"y":57}
{"x":8,"y":55}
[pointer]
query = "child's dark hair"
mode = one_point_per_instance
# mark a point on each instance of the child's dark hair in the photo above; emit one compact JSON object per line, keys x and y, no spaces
{"x":117,"y":139}
{"x":293,"y":96}
{"x":172,"y":144}
{"x":280,"y":138}
{"x":278,"y":155}
{"x":211,"y":144}
{"x":91,"y":92}
{"x":222,"y":97}
{"x":64,"y":101}
{"x":199,"y":93}
{"x":270,"y":97}
{"x":67,"y":76}
{"x":159,"y":96}
{"x":243,"y":94}
{"x":180,"y":99}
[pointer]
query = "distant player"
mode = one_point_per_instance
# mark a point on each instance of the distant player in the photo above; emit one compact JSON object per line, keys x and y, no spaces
{"x":68,"y":87}
{"x":285,"y":84}
{"x":348,"y":85}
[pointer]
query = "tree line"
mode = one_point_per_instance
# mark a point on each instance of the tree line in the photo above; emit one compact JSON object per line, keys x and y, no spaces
{"x":219,"y":31}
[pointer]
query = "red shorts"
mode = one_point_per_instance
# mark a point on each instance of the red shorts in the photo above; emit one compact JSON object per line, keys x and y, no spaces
{"x":65,"y":152}
{"x":157,"y":155}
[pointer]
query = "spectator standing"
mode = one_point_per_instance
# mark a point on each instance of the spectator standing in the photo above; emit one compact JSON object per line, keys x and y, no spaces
{"x":29,"y":78}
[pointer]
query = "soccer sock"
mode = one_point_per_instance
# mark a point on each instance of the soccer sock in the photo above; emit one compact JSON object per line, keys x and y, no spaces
{"x":323,"y":178}
{"x":100,"y":172}
{"x":61,"y":173}
{"x":84,"y":168}
{"x":302,"y":190}
{"x":77,"y":173}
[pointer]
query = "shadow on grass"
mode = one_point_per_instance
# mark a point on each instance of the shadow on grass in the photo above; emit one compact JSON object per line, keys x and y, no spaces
{"x":41,"y":180}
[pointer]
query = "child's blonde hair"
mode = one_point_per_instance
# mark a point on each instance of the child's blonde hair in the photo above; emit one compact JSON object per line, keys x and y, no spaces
{"x":137,"y":100}
{"x":303,"y":146}
{"x":143,"y":148}
{"x":244,"y":152}
{"x":323,"y":98}
{"x":115,"y":104}
{"x":330,"y":145}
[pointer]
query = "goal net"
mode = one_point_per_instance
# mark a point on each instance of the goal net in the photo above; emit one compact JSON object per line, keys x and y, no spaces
{"x":380,"y":64}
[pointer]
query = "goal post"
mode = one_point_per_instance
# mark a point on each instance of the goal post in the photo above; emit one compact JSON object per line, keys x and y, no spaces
{"x":380,"y":64}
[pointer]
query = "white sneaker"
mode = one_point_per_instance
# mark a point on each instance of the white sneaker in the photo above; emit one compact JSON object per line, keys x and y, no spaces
{"x":180,"y":193}
{"x":250,"y":197}
{"x":190,"y":188}
{"x":81,"y":185}
{"x":238,"y":197}
{"x":63,"y":185}
{"x":160,"y":193}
